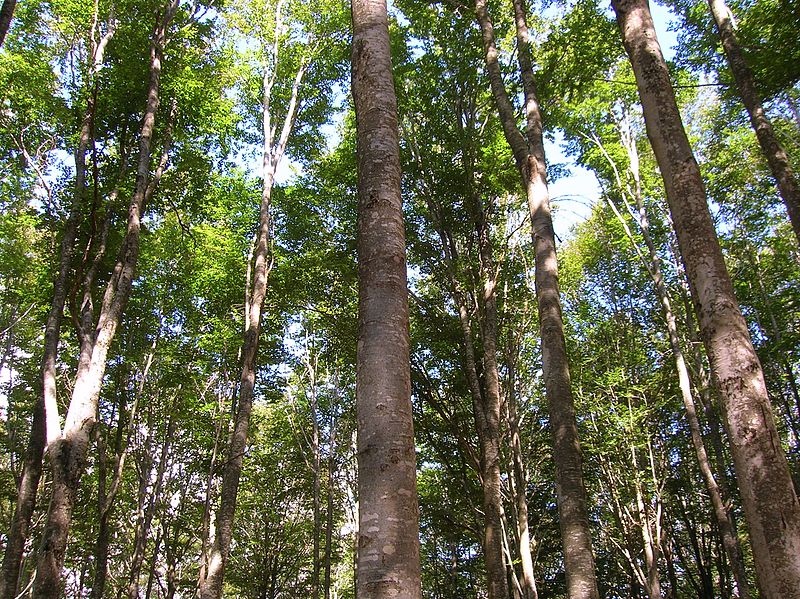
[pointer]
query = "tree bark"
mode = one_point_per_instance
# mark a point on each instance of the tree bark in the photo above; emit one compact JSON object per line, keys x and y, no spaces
{"x":388,"y":537}
{"x":529,"y":156}
{"x":771,"y":147}
{"x":68,"y":452}
{"x":6,"y":14}
{"x":769,"y":500}
{"x":210,"y":587}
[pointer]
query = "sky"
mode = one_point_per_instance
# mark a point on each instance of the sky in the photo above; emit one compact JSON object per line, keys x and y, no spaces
{"x":572,"y":197}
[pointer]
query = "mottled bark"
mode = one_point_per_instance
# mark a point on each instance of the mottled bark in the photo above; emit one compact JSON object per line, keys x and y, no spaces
{"x":210,"y":586}
{"x":388,"y":536}
{"x":46,"y":425}
{"x":771,"y":147}
{"x":528,"y":153}
{"x":68,"y":453}
{"x":6,"y":14}
{"x":770,"y":504}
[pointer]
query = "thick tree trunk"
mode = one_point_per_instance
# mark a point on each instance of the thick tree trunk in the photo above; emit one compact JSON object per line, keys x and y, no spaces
{"x":6,"y":14}
{"x":770,"y":503}
{"x":68,"y":453}
{"x":529,"y":156}
{"x":773,"y":151}
{"x":388,"y":543}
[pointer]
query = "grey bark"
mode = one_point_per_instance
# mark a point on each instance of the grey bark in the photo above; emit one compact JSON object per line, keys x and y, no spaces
{"x":771,"y":147}
{"x":528,"y":153}
{"x":770,"y":504}
{"x":388,"y":536}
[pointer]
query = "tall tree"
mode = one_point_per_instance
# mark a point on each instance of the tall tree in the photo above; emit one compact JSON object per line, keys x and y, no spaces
{"x":769,"y":499}
{"x":771,"y":146}
{"x":529,"y":155}
{"x":45,"y":415}
{"x":388,"y":544}
{"x":68,"y":451}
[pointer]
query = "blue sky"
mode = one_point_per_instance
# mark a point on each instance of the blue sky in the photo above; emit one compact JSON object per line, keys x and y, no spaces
{"x":572,"y":197}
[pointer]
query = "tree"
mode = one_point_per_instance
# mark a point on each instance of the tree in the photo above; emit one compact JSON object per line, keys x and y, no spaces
{"x":771,"y":146}
{"x":529,"y":155}
{"x":761,"y":467}
{"x":69,"y":447}
{"x":388,"y":545}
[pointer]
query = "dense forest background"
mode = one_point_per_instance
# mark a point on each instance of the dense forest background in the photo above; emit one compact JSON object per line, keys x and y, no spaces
{"x":202,"y":114}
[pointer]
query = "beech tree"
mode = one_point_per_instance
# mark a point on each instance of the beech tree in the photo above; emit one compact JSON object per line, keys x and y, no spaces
{"x":761,"y":467}
{"x":388,"y":544}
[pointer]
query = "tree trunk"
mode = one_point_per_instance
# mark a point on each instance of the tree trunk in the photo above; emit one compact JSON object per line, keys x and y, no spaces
{"x":520,"y":481}
{"x":388,"y":543}
{"x":152,"y":501}
{"x":770,"y":503}
{"x":68,"y":453}
{"x":46,"y":426}
{"x":771,"y":147}
{"x":210,"y":587}
{"x":329,"y":508}
{"x":6,"y":14}
{"x":529,"y":156}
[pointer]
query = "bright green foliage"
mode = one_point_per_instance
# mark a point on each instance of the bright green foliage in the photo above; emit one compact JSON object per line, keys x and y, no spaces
{"x":176,"y":357}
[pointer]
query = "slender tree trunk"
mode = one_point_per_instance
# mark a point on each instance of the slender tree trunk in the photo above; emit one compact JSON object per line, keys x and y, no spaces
{"x":210,"y":587}
{"x":329,"y":508}
{"x":771,"y":147}
{"x":653,"y":265}
{"x":485,"y":394}
{"x":207,"y":520}
{"x":388,"y":536}
{"x":529,"y":156}
{"x":520,"y":480}
{"x":68,"y":453}
{"x":46,"y":425}
{"x":311,"y":370}
{"x":152,"y":501}
{"x":6,"y":14}
{"x":770,"y":503}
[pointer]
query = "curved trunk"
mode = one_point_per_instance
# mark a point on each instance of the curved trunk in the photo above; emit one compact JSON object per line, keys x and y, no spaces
{"x":388,"y":536}
{"x":68,"y":453}
{"x":529,"y":156}
{"x":771,"y":147}
{"x":770,"y":504}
